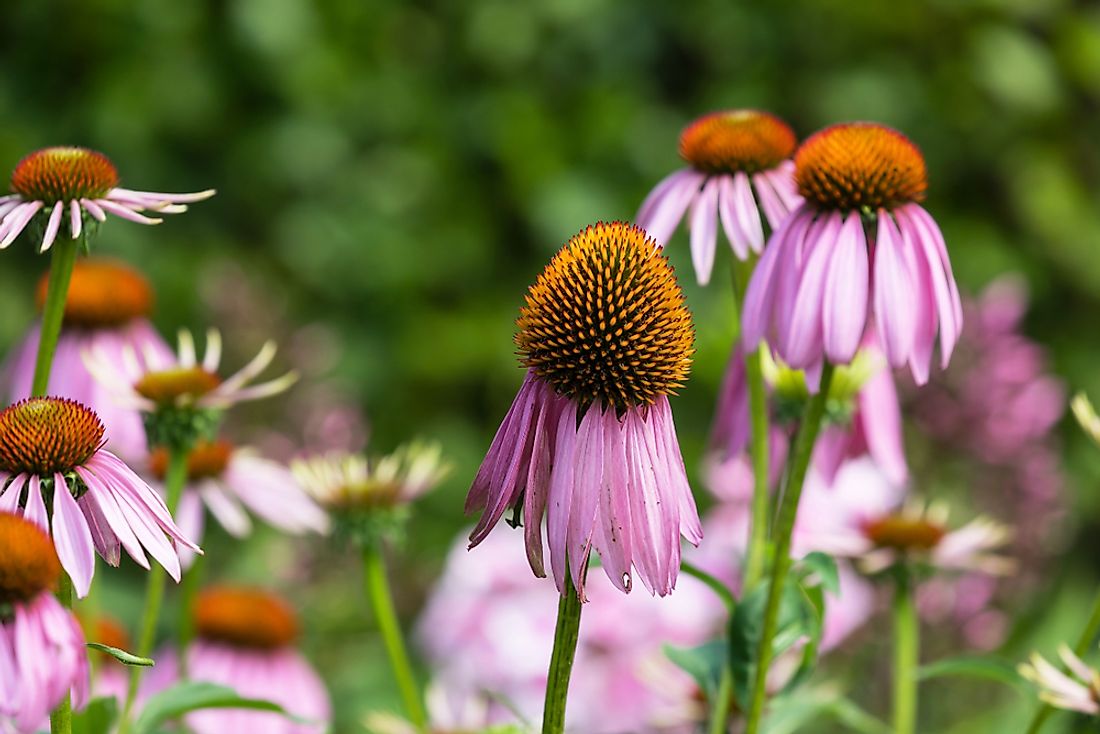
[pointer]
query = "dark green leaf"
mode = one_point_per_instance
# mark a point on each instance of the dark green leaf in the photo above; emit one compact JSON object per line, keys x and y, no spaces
{"x":126,"y":658}
{"x":190,"y":696}
{"x":992,"y":669}
{"x":703,"y":664}
{"x":98,"y":717}
{"x":824,"y":567}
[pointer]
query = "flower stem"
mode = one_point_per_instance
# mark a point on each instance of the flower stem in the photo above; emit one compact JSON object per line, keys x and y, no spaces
{"x":1084,"y":643}
{"x":174,"y":479}
{"x":561,"y":659}
{"x":906,"y":654}
{"x":378,"y":590}
{"x":797,"y":466}
{"x":758,"y":411}
{"x":723,"y":701}
{"x":53,"y":312}
{"x":61,"y":718}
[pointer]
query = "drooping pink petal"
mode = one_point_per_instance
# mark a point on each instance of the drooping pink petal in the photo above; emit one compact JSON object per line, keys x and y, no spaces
{"x":880,"y":414}
{"x":926,"y":236}
{"x":730,"y":430}
{"x":538,"y":481}
{"x":746,"y":214}
{"x":704,"y":230}
{"x":760,"y":298}
{"x":72,"y":539}
{"x":52,"y":225}
{"x":560,"y":498}
{"x":894,"y":296}
{"x":587,"y":479}
{"x":845,"y":303}
{"x":76,"y":221}
{"x":35,"y":511}
{"x":800,"y":340}
{"x":614,"y":511}
{"x":16,"y":221}
{"x":667,"y":211}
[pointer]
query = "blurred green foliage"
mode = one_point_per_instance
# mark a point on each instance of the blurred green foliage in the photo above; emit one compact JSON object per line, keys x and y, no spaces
{"x":396,"y":173}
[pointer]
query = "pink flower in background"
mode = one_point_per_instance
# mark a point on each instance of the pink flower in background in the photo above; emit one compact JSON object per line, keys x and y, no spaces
{"x":42,"y":654}
{"x":106,"y":311}
{"x":733,"y":155}
{"x":827,"y":274}
{"x":66,"y":184}
{"x":51,"y":444}
{"x":245,"y":641}
{"x":1078,"y":689}
{"x":228,"y":480}
{"x":864,"y":418}
{"x":589,"y":440}
{"x":488,"y":629}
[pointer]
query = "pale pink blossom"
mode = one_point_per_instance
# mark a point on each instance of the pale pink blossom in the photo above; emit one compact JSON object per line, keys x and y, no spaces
{"x":1076,"y":690}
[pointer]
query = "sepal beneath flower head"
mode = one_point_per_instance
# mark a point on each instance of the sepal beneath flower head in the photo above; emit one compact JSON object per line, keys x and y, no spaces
{"x":180,"y":428}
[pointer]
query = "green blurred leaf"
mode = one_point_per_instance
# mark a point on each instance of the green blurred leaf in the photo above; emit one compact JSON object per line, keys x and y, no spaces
{"x":824,"y":567}
{"x":703,"y":664}
{"x":98,"y":717}
{"x":992,"y":669}
{"x":126,"y":658}
{"x":791,"y":714}
{"x":183,"y":698}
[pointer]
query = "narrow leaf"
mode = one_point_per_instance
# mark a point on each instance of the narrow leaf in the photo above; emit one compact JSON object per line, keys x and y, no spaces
{"x":126,"y":658}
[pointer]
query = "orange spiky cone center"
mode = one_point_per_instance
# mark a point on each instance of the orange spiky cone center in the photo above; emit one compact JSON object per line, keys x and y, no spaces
{"x":737,"y":140}
{"x":904,"y":533}
{"x":860,"y":165}
{"x":168,"y":386}
{"x":47,"y":435}
{"x":207,"y":460}
{"x":28,"y":561}
{"x":606,"y":320}
{"x":248,"y":618}
{"x":102,"y":294}
{"x":64,"y":174}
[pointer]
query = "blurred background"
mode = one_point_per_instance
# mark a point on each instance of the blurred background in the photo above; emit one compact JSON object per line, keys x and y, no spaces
{"x":392,"y":175}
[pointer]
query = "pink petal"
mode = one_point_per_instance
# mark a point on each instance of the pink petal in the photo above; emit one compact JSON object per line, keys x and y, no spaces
{"x":75,"y":219}
{"x":560,"y":498}
{"x":894,"y":297}
{"x":845,"y":304}
{"x":803,"y":335}
{"x":704,"y":230}
{"x":614,"y":505}
{"x":52,"y":226}
{"x":538,"y":481}
{"x":72,"y":538}
{"x":880,"y":415}
{"x":586,"y":493}
{"x":666,"y":212}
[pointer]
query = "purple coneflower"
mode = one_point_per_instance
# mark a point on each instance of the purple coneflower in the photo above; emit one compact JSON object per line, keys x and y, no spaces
{"x":150,"y":380}
{"x":51,"y":444}
{"x":863,"y":417}
{"x":106,"y":311}
{"x":1079,"y":690}
{"x":589,"y":440}
{"x":42,"y":654}
{"x":343,"y":481}
{"x":859,"y":251}
{"x":66,"y":184}
{"x":245,"y":640}
{"x":224,"y":477}
{"x":733,"y":155}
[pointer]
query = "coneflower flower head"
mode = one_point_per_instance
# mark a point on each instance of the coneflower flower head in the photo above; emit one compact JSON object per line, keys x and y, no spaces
{"x":740,"y":168}
{"x":589,"y":440}
{"x":51,"y":448}
{"x":859,"y":252}
{"x":72,"y":188}
{"x":368,"y":498}
{"x":1077,"y":690}
{"x":42,"y":652}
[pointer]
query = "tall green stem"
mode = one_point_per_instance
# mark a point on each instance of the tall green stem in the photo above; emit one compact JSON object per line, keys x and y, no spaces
{"x":906,"y":654}
{"x":174,"y":479}
{"x":561,"y":659}
{"x":758,"y":412}
{"x":797,"y":466}
{"x":53,"y":311}
{"x":378,"y":589}
{"x":1084,"y":643}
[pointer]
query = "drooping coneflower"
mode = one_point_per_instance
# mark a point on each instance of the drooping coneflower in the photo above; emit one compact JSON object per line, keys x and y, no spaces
{"x":42,"y":654}
{"x":106,"y":311}
{"x":1077,"y":690}
{"x":224,"y":478}
{"x":859,"y":251}
{"x":51,"y":449}
{"x":245,"y":640}
{"x":68,"y":184}
{"x":733,"y":155}
{"x":589,"y":440}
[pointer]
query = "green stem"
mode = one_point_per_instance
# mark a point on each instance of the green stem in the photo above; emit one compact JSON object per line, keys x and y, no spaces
{"x":174,"y":479}
{"x":723,"y":702}
{"x":561,"y":659}
{"x":758,"y":411}
{"x":61,"y":718}
{"x":797,"y":466}
{"x":1084,"y":643}
{"x":53,"y":312}
{"x":378,"y":589}
{"x":906,"y":655}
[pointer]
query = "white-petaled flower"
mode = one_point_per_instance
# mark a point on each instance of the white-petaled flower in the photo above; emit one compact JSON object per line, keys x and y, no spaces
{"x":350,"y":481}
{"x":920,"y":533}
{"x":1079,"y":690}
{"x":65,"y":184}
{"x":1086,"y":415}
{"x":150,"y":380}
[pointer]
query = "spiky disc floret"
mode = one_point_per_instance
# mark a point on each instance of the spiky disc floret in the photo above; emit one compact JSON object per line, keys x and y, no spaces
{"x":737,"y":140}
{"x":904,"y":532}
{"x":102,"y":294}
{"x":860,"y":165}
{"x":606,"y":321}
{"x":168,"y":386}
{"x":248,"y":618}
{"x":64,"y":174}
{"x":28,"y":561}
{"x":207,"y":460}
{"x":47,"y":435}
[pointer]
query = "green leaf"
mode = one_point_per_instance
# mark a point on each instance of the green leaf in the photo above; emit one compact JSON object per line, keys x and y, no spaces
{"x":190,"y":696}
{"x":703,"y":664}
{"x":791,"y":714}
{"x":126,"y":658}
{"x":98,"y":717}
{"x":992,"y":669}
{"x":824,"y":567}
